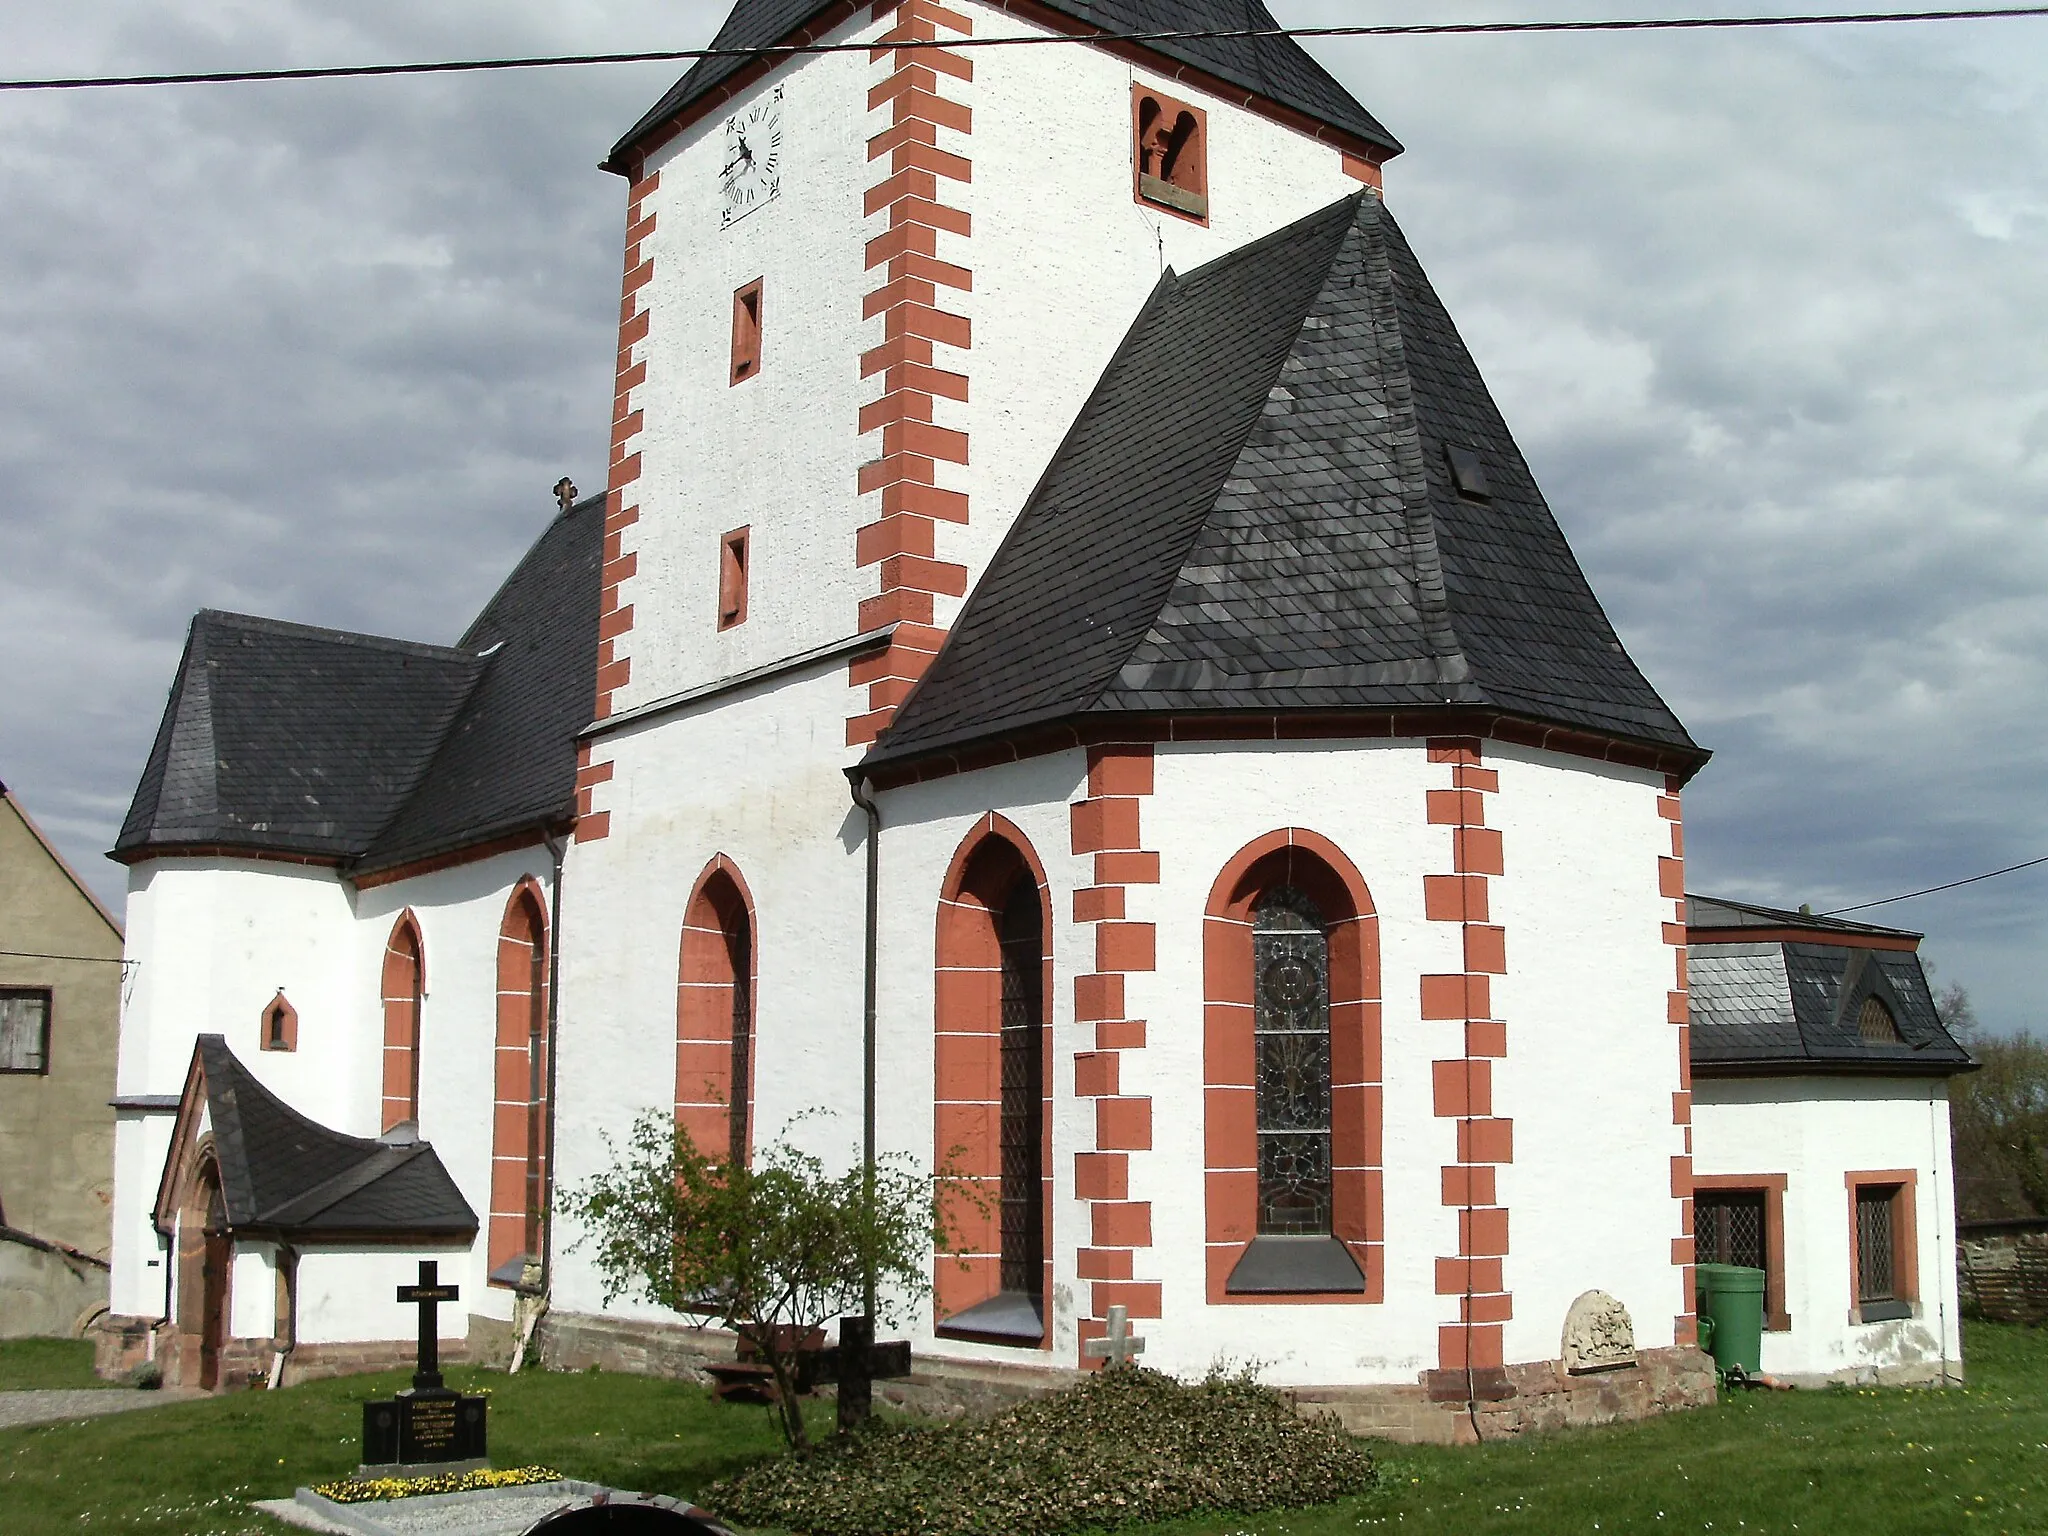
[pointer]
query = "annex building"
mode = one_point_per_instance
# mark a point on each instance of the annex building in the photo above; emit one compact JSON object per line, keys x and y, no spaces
{"x":1051,"y":511}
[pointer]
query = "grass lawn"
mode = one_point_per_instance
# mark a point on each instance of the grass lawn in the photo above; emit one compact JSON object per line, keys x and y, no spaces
{"x":27,"y":1363}
{"x":1966,"y":1460}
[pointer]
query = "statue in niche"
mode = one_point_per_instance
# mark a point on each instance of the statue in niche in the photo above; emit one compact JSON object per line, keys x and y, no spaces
{"x":1598,"y":1335}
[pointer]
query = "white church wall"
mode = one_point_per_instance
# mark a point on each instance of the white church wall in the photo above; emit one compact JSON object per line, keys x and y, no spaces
{"x":778,"y":453}
{"x":923,"y":826}
{"x":351,"y":1296}
{"x":754,"y":776}
{"x":252,"y":1291}
{"x":1815,"y":1131}
{"x":1592,"y":1058}
{"x":214,"y":940}
{"x":1211,"y":799}
{"x":460,"y":912}
{"x":1064,"y":256}
{"x":139,"y":1257}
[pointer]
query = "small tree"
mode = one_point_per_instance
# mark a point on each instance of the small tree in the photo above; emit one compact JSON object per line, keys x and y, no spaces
{"x":1999,"y":1117}
{"x":771,"y":1251}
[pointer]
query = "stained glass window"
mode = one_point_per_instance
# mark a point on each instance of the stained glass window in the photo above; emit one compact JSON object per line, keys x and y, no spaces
{"x":1023,"y":1088}
{"x":1291,"y":1037}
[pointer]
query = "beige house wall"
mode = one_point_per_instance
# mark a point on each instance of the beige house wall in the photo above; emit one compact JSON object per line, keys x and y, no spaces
{"x":56,"y":1129}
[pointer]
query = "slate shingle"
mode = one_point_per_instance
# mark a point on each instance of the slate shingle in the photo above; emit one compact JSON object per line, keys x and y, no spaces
{"x":1254,"y":512}
{"x":1276,"y":68}
{"x":282,"y":1171}
{"x":285,"y":738}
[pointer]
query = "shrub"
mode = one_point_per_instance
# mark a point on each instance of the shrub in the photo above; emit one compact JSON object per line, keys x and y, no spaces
{"x":1125,"y":1447}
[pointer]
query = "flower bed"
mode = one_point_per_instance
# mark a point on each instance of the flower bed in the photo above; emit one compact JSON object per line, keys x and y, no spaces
{"x":1126,"y":1447}
{"x":365,"y":1490}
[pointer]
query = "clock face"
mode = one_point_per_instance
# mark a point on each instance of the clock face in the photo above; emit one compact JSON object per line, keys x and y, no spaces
{"x":752,"y":171}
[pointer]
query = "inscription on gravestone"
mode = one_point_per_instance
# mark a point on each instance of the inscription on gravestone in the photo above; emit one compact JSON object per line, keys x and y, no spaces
{"x":427,"y":1422}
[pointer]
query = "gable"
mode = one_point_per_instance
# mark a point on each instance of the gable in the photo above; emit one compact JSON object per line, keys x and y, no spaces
{"x":44,"y":904}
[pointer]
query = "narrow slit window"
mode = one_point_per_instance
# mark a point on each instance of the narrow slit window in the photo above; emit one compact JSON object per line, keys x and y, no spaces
{"x":280,"y":1029}
{"x":732,"y":579}
{"x":1170,"y":147}
{"x":746,"y":332}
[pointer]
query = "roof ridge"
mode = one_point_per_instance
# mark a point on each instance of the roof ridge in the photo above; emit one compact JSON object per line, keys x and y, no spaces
{"x":229,"y":620}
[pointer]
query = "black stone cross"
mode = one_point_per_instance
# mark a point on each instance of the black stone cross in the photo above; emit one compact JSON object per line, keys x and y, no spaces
{"x":428,"y":1296}
{"x":854,"y":1367}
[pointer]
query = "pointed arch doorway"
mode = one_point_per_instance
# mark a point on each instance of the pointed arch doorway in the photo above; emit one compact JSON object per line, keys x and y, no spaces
{"x":205,"y":1257}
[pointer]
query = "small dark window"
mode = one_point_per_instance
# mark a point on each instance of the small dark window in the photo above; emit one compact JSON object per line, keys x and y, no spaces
{"x":1876,"y":1250}
{"x":1875,"y":1024}
{"x":1171,"y":151}
{"x":24,"y":1030}
{"x":1291,"y":1038}
{"x":739,"y":943}
{"x":732,"y":579}
{"x":1730,"y":1228}
{"x":1020,"y":933}
{"x":1467,"y":473}
{"x":746,"y":332}
{"x":279,"y":1029}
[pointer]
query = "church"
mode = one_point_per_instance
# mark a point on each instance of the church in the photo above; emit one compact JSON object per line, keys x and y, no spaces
{"x":1066,"y":609}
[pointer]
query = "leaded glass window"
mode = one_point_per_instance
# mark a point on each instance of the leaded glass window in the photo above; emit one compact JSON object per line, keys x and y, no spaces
{"x":1291,"y":1039}
{"x":1729,"y":1226}
{"x":1875,"y":1024}
{"x":739,"y":941}
{"x":1021,"y":935}
{"x":1874,"y":1277}
{"x":24,"y":1031}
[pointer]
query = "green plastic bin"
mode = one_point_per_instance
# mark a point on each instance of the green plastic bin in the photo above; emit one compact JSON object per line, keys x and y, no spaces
{"x":1732,"y":1295}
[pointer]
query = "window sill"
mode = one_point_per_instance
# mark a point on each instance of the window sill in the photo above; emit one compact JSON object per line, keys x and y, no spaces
{"x":1295,"y":1266}
{"x":1008,"y":1317}
{"x":1153,"y":190}
{"x":1883,"y":1311}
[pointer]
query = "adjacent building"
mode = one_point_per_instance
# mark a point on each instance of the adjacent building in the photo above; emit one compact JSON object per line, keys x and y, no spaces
{"x":60,"y":1013}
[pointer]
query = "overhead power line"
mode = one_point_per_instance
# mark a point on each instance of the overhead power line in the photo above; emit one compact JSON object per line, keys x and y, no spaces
{"x":694,"y":55}
{"x":1990,"y":874}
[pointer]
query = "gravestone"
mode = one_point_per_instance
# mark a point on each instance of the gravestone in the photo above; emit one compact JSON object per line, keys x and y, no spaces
{"x":1119,"y":1346}
{"x":427,"y":1424}
{"x":853,"y":1366}
{"x":1598,"y":1335}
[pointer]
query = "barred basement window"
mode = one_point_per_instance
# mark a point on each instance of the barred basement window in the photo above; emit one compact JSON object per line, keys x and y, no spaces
{"x":25,"y":1030}
{"x":1291,"y":1039}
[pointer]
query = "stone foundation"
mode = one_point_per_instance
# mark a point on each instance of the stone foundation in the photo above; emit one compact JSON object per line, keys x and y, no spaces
{"x":1523,"y":1398}
{"x":122,"y":1343}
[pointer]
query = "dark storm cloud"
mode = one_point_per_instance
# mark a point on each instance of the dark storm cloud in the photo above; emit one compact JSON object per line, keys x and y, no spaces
{"x":1764,"y":309}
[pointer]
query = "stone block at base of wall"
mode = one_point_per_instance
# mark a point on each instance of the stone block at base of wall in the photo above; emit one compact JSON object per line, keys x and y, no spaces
{"x":1537,"y":1396}
{"x":121,"y":1343}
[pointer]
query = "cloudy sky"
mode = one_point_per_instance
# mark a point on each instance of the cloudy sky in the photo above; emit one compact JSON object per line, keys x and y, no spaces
{"x":1766,"y":309}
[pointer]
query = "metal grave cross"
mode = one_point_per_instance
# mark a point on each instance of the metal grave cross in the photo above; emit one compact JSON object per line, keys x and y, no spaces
{"x":428,"y":1296}
{"x":1119,"y":1344}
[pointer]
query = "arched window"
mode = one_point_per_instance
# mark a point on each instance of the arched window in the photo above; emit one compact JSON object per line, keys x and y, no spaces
{"x":1291,"y":1063}
{"x":992,"y":1058}
{"x":715,"y":1015}
{"x":404,"y":992}
{"x":279,"y":1030}
{"x":518,"y":1141}
{"x":1291,"y":1036}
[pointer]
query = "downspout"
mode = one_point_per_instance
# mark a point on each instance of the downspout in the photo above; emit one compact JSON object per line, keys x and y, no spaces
{"x":864,"y":797}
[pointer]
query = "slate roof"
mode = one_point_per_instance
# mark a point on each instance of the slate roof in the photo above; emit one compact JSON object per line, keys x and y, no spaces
{"x":1255,"y":511}
{"x":1791,"y":1007}
{"x":285,"y":1173}
{"x":284,"y":738}
{"x":1276,"y":68}
{"x":1709,"y":913}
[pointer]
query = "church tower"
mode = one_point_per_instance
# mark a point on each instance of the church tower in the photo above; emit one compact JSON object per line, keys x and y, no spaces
{"x":1275,"y":855}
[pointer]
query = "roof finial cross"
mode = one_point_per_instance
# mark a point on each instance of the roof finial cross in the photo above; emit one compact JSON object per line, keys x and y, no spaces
{"x":565,"y":493}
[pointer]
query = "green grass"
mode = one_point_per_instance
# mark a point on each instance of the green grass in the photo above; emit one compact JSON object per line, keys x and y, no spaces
{"x":1972,"y":1459}
{"x":44,"y":1363}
